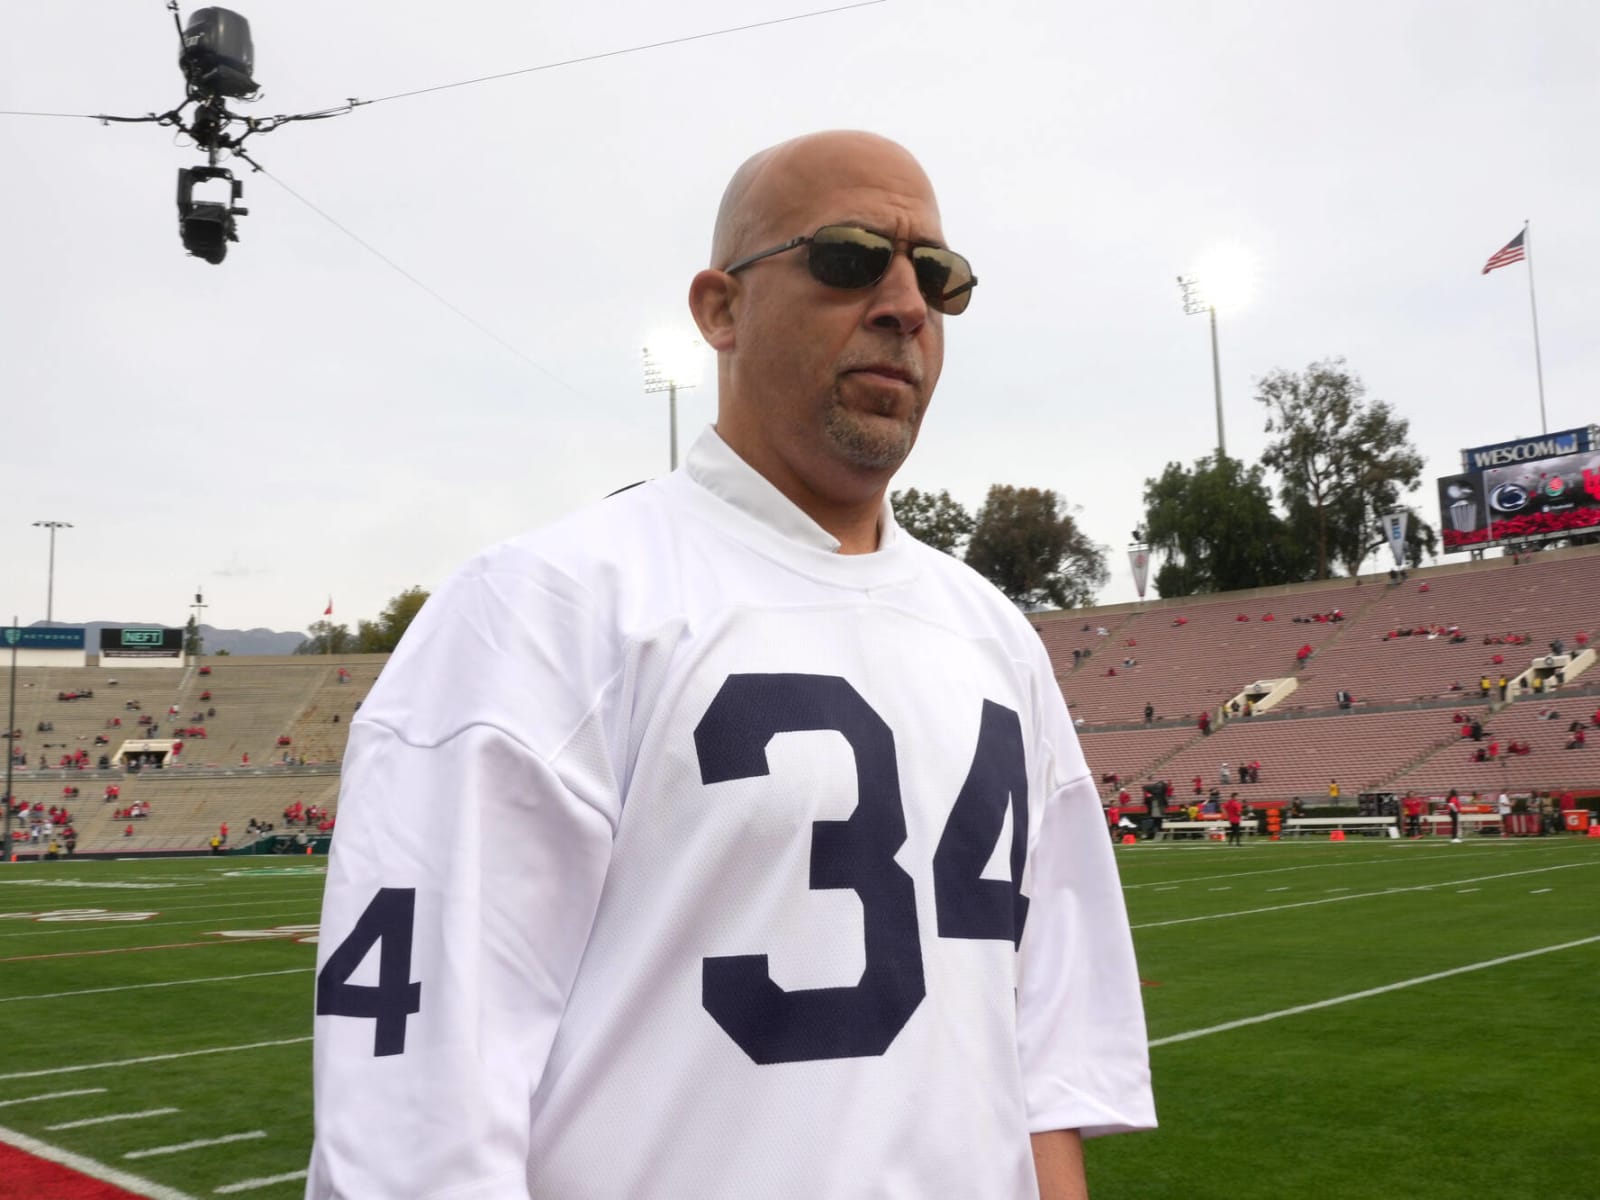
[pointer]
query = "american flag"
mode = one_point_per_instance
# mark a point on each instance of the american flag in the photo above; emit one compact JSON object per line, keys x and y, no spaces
{"x":1510,"y":253}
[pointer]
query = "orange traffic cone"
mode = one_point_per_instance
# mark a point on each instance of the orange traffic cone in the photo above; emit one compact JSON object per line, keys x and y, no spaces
{"x":308,"y":849}
{"x":1594,"y":831}
{"x":1336,"y":836}
{"x":1128,"y":839}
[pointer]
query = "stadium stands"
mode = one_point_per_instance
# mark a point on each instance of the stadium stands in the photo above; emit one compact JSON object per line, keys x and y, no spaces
{"x":1188,"y":656}
{"x":257,"y":700}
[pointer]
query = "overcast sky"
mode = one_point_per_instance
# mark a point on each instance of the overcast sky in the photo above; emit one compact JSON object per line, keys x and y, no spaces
{"x":302,"y":421}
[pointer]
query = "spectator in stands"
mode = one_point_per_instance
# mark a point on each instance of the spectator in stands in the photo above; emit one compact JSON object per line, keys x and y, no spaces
{"x":1476,"y":730}
{"x":1343,"y":698}
{"x":1301,"y":655}
{"x":1205,"y":722}
{"x":1333,"y":791}
{"x":1199,"y":786}
{"x":1234,"y":812}
{"x":1223,"y":776}
{"x":1234,"y":707}
{"x":1249,"y":708}
{"x":1483,"y":685}
{"x":1578,"y":739}
{"x":1149,"y":712}
{"x":1503,"y":687}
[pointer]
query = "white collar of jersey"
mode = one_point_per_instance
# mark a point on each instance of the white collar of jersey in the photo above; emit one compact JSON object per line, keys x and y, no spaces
{"x":715,"y":466}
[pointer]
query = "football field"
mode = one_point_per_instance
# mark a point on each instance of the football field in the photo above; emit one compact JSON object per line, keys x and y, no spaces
{"x":1367,"y":1019}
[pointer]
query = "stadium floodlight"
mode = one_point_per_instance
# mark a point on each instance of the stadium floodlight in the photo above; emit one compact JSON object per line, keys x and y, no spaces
{"x":50,"y":587}
{"x":672,"y":362}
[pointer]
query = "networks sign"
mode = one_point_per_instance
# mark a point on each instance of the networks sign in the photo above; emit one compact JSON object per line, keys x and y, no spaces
{"x":1549,"y":445}
{"x":48,"y":638}
{"x":141,"y":643}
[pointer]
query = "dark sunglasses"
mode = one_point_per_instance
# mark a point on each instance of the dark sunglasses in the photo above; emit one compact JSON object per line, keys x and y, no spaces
{"x":842,"y":256}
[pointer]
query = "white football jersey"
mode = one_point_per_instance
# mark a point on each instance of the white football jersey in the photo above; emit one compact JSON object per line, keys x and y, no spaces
{"x":681,"y":857}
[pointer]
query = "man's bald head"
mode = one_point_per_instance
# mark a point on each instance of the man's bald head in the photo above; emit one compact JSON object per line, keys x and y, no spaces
{"x":821,"y":388}
{"x":772,"y":187}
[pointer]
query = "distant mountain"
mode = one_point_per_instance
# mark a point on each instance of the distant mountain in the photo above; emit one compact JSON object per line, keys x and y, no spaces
{"x":234,"y":641}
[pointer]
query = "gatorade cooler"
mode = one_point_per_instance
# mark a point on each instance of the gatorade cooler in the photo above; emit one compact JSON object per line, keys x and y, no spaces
{"x":1576,"y":820}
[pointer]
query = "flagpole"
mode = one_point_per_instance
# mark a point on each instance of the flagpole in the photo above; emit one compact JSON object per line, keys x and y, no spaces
{"x":1533,"y":303}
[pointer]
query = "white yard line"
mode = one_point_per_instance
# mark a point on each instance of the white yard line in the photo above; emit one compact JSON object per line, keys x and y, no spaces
{"x":112,"y":922}
{"x":52,"y":1096}
{"x":107,"y":1119}
{"x":1540,"y":891}
{"x":129,"y":987}
{"x":197,"y":1144}
{"x":1394,"y":891}
{"x":1370,"y":992}
{"x":150,"y":1058}
{"x":250,"y":1185}
{"x":91,"y":1168}
{"x":1442,"y":848}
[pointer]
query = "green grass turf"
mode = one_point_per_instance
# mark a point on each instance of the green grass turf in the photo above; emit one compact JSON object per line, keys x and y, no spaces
{"x":1479,"y":1084}
{"x":1475,"y":1085}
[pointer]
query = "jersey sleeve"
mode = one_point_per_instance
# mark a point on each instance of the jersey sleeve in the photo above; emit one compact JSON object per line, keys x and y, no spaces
{"x":1080,"y":1021}
{"x":476,"y":818}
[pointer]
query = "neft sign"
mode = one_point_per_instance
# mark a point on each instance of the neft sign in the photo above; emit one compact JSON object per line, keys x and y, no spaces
{"x":141,"y":643}
{"x":1550,"y":445}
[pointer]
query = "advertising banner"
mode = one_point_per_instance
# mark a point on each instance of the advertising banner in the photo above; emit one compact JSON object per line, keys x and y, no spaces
{"x":1394,"y":528}
{"x":1551,"y":497}
{"x":1139,"y":560}
{"x":49,"y":638}
{"x":141,"y":643}
{"x":1529,"y":449}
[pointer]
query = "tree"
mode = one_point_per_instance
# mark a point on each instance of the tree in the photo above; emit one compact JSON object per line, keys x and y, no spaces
{"x":193,"y":645}
{"x":326,"y":638}
{"x":1219,"y":533}
{"x":1342,"y":461}
{"x":1028,"y":545}
{"x":384,"y":634}
{"x":935,"y":519}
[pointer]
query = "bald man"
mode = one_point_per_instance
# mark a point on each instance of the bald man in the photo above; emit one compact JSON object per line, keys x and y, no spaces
{"x":721,"y":840}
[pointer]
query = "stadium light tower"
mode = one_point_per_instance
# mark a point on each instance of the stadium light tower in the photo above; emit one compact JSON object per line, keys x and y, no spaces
{"x":1224,"y":279}
{"x":1195,"y":303}
{"x":199,"y":605}
{"x":673,"y":364}
{"x":50,"y":593}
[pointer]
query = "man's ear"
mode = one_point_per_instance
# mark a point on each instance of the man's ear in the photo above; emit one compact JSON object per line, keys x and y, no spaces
{"x":711,"y":299}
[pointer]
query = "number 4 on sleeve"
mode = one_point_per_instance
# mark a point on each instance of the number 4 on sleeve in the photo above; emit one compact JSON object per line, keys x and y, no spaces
{"x":386,"y":923}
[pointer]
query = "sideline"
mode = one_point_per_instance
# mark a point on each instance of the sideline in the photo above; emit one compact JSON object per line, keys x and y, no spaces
{"x":150,"y":1058}
{"x":88,"y":1166}
{"x":130,"y":987}
{"x":1370,"y":992}
{"x":1394,"y":891}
